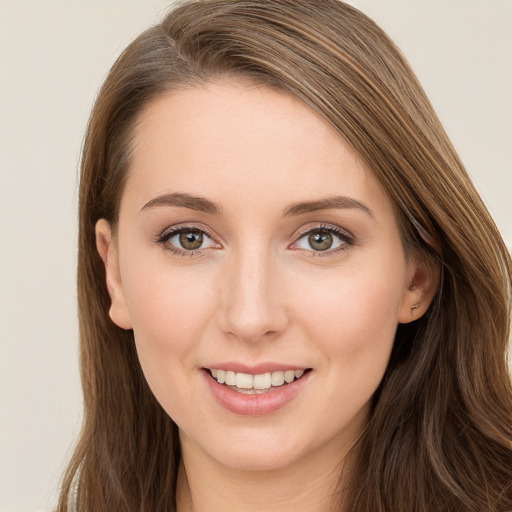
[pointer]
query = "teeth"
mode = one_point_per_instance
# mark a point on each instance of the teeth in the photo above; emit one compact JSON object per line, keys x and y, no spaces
{"x":263,"y":381}
{"x":246,"y":381}
{"x":289,"y":376}
{"x":277,"y":378}
{"x":243,"y":380}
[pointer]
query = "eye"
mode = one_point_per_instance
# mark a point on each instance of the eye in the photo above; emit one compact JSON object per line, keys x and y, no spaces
{"x":187,"y":240}
{"x":323,"y":239}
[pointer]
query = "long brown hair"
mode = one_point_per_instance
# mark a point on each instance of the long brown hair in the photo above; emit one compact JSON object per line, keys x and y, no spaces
{"x":440,"y":433}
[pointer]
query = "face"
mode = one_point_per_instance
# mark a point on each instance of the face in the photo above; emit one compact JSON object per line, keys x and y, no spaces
{"x":261,"y":268}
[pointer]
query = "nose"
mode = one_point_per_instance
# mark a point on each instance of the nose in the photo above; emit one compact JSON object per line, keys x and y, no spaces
{"x":253,"y":305}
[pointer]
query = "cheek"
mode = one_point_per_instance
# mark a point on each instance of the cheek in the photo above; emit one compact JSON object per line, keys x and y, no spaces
{"x":170,"y":308}
{"x":353,"y":316}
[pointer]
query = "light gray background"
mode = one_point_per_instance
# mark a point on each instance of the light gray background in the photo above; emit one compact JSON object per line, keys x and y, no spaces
{"x":53,"y":57}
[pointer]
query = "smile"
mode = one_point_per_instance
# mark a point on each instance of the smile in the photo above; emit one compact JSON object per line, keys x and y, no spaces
{"x":256,"y":394}
{"x":255,"y":384}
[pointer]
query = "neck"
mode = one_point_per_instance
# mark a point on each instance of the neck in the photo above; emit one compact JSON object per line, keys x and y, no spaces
{"x":310,"y":483}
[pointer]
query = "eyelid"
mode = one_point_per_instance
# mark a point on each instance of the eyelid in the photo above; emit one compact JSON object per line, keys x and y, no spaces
{"x":304,"y":230}
{"x":171,"y":231}
{"x":176,"y":228}
{"x":347,"y":238}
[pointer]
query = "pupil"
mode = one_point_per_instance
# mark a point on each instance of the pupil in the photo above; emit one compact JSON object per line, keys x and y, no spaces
{"x":320,"y":240}
{"x":191,"y":240}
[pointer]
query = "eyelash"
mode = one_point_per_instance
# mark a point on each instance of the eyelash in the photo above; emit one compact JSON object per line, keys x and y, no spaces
{"x":164,"y":238}
{"x":346,"y":239}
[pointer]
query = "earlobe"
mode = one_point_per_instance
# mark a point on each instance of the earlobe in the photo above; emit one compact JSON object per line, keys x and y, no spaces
{"x":107,"y":249}
{"x":421,"y":288}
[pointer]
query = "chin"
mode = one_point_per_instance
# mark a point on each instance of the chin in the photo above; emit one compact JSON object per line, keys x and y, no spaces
{"x":257,"y":449}
{"x":256,"y":459}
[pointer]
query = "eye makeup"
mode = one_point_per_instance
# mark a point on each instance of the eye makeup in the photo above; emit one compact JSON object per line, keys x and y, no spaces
{"x":187,"y":240}
{"x":323,"y":240}
{"x":319,"y":240}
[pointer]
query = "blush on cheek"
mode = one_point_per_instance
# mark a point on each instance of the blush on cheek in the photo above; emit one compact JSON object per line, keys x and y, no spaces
{"x":168,"y":303}
{"x":351,"y":318}
{"x":165,"y":328}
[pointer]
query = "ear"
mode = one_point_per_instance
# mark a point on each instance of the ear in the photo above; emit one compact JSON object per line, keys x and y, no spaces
{"x":107,"y":248}
{"x":423,"y":280}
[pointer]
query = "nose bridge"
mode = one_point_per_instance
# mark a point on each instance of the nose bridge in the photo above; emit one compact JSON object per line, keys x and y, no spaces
{"x":252,"y":302}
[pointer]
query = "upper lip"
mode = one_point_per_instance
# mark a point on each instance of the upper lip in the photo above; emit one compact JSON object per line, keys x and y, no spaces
{"x":254,"y":369}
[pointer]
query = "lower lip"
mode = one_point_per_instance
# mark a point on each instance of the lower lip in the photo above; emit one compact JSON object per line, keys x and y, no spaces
{"x":255,"y":405}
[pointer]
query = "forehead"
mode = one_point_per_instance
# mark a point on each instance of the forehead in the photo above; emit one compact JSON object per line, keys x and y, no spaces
{"x":231,"y":139}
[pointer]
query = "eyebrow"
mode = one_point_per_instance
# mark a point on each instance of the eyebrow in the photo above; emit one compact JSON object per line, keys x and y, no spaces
{"x":338,"y":202}
{"x":199,"y":204}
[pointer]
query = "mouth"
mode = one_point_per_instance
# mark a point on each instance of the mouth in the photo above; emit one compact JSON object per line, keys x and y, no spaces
{"x":262,"y":383}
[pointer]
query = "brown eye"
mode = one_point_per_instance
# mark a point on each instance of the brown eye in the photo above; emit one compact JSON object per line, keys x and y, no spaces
{"x":191,"y":240}
{"x":324,"y":240}
{"x":187,"y":240}
{"x":320,"y":240}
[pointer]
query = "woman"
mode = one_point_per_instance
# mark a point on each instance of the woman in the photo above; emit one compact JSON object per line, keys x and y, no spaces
{"x":291,"y":295}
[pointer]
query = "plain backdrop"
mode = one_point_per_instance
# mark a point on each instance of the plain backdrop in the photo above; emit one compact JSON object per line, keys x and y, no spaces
{"x":54,"y":55}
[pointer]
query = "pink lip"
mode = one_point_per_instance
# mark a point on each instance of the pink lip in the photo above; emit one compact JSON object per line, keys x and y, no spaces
{"x":256,"y":369}
{"x":255,"y":405}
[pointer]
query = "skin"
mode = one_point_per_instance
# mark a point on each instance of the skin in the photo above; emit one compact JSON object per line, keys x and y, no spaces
{"x":257,"y":291}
